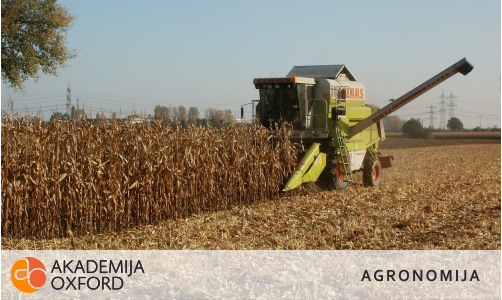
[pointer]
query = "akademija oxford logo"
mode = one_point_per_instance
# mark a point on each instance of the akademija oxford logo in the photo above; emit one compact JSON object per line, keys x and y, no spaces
{"x":28,"y":275}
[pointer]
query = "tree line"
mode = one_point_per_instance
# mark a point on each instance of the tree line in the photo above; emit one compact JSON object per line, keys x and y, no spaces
{"x":413,"y":128}
{"x":212,"y":116}
{"x":172,"y":115}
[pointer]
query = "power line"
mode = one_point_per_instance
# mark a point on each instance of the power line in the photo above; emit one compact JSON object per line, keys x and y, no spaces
{"x":474,"y":113}
{"x":36,"y":99}
{"x":157,"y":101}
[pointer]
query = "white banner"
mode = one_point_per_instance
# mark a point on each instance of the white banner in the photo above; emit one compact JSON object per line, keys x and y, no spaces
{"x":251,"y":274}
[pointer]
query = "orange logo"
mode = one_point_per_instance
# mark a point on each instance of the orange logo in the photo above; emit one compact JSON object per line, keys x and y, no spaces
{"x":28,"y":275}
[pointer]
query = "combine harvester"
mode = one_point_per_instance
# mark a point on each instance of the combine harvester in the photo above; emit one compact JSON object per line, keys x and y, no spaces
{"x":327,"y":107}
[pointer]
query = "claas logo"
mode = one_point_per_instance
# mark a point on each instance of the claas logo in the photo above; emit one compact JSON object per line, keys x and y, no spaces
{"x":28,"y":275}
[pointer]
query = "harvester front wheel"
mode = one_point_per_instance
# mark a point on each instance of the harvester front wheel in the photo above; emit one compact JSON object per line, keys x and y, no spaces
{"x":372,"y":173}
{"x":338,"y":182}
{"x":332,"y":176}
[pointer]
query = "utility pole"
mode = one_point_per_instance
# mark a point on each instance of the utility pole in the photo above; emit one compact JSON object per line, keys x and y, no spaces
{"x":11,"y":105}
{"x":68,"y":101}
{"x":480,"y":121}
{"x":431,"y":116}
{"x":442,"y":111}
{"x":451,"y":105}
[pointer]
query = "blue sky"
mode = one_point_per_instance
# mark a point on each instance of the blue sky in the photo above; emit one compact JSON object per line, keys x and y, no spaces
{"x":138,"y":54}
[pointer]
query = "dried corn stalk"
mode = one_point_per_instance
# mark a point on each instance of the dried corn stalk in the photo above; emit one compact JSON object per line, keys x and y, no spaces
{"x":68,"y":175}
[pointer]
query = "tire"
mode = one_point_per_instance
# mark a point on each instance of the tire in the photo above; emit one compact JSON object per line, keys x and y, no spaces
{"x":338,"y":183}
{"x":330,"y":177}
{"x":372,"y":173}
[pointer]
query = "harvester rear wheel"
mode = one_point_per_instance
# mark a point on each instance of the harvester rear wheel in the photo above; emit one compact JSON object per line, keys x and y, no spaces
{"x":372,"y":172}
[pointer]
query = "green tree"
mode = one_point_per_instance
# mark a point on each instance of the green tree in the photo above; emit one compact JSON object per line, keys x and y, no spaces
{"x":33,"y":39}
{"x":182,"y":112}
{"x":228,"y":117}
{"x":79,"y":114}
{"x":162,"y":113}
{"x":214,"y":117}
{"x":454,"y":124}
{"x":100,"y":118}
{"x":175,"y":113}
{"x":56,"y":115}
{"x":193,"y":115}
{"x":393,"y":123}
{"x":414,"y":129}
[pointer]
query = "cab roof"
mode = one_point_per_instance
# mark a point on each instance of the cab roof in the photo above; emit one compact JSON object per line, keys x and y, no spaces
{"x":321,"y":71}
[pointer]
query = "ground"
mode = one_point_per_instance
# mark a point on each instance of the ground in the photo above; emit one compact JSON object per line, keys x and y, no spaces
{"x":439,"y":194}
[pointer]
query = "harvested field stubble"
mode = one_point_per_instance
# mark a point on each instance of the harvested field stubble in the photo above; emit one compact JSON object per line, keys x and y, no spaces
{"x":450,"y":135}
{"x":436,"y":197}
{"x":72,"y":177}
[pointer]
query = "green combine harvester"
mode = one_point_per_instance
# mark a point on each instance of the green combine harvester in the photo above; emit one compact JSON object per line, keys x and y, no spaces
{"x":327,"y":107}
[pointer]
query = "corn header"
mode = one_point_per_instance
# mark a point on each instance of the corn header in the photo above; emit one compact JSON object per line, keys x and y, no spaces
{"x":327,"y":108}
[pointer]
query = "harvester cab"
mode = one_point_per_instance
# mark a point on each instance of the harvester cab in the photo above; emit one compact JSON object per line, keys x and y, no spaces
{"x":327,"y":108}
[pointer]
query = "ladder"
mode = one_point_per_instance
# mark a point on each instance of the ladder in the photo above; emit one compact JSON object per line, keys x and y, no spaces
{"x":341,"y":99}
{"x":343,"y":156}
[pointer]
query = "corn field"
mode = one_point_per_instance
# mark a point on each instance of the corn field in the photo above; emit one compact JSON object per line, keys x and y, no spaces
{"x":70,"y":177}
